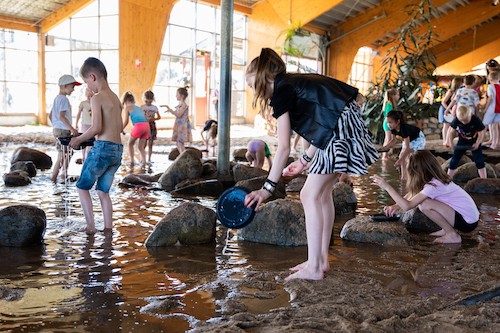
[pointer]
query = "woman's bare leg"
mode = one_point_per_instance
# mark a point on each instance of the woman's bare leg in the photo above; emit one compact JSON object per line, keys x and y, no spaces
{"x":319,"y":212}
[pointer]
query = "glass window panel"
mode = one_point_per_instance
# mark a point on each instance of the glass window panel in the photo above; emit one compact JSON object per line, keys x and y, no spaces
{"x":239,"y":26}
{"x":51,"y":91}
{"x":108,"y":7}
{"x":21,"y":65}
{"x":22,"y":40}
{"x":77,"y":59}
{"x":183,"y":14}
{"x":162,"y":71}
{"x":2,"y":67}
{"x":205,"y":17}
{"x":61,"y":30}
{"x":180,"y":72}
{"x":4,"y":108}
{"x":238,"y":78}
{"x":54,"y":43}
{"x":16,"y":97}
{"x":109,"y":32}
{"x":110,"y":60}
{"x":56,"y":64}
{"x":238,"y":103}
{"x":90,"y":10}
{"x":238,"y":51}
{"x":204,"y":41}
{"x":181,"y":41}
{"x":85,"y":33}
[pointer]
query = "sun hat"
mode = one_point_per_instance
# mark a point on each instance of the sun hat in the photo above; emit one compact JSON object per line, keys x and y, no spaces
{"x":68,"y":79}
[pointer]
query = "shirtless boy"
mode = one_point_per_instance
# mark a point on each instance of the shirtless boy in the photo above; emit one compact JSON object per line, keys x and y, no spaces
{"x":105,"y":156}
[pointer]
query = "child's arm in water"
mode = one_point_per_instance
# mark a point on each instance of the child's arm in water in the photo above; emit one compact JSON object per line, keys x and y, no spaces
{"x":401,"y":201}
{"x":404,"y":153}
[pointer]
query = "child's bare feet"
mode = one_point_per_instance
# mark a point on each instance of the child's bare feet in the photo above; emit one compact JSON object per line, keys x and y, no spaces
{"x":449,"y":239}
{"x":305,"y":274}
{"x":438,"y":233}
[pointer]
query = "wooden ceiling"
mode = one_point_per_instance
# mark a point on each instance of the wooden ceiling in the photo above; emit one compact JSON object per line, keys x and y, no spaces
{"x":467,"y":27}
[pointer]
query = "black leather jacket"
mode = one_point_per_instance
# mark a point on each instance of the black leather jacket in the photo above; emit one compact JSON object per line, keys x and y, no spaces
{"x":314,"y":103}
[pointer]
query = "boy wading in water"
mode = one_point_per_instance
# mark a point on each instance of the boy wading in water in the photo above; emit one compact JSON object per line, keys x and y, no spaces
{"x":106,"y":155}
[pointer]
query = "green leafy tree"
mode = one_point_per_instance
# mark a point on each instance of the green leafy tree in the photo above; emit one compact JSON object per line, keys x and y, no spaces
{"x":407,"y":64}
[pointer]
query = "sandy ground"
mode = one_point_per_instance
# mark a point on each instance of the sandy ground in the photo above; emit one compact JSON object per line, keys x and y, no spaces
{"x":352,"y":297}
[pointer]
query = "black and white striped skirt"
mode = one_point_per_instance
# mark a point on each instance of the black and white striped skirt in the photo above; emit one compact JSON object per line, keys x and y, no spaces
{"x":351,"y":148}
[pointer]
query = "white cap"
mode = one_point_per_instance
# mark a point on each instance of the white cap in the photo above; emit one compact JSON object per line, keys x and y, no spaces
{"x":68,"y":79}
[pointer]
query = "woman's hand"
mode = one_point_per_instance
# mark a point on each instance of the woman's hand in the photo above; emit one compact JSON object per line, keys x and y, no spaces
{"x":398,"y":163}
{"x":294,"y":168}
{"x":255,"y":198}
{"x":391,"y":210}
{"x":379,"y":181}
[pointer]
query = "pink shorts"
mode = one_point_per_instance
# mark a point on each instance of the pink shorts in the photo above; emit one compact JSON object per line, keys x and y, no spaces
{"x":141,"y":131}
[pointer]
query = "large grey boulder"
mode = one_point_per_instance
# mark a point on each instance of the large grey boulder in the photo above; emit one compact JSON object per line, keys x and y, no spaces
{"x":483,"y":186}
{"x":363,"y":229}
{"x":417,"y":222}
{"x":280,"y":222}
{"x":189,"y":223}
{"x":468,"y":171}
{"x":40,"y":159}
{"x":344,"y":199}
{"x":133,"y":180}
{"x":22,"y":225}
{"x":242,"y":172}
{"x":27,"y":166}
{"x":187,"y":166}
{"x":239,"y":154}
{"x":210,"y":187}
{"x":256,"y":183}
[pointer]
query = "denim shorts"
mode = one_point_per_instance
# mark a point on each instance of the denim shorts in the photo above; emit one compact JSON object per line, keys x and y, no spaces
{"x":100,"y":166}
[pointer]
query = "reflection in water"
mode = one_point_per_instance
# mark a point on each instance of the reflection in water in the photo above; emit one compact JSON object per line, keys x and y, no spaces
{"x":110,"y":282}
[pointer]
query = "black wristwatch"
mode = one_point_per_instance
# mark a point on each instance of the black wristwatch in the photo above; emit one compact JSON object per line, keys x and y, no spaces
{"x":268,"y":187}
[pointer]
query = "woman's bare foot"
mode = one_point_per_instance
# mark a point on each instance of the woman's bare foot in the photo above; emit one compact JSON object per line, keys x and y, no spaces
{"x":438,"y":233}
{"x":303,"y":265}
{"x":449,"y":239}
{"x":305,"y":274}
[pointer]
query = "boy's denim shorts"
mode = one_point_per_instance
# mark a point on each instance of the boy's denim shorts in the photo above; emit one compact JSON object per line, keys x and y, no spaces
{"x":100,"y":166}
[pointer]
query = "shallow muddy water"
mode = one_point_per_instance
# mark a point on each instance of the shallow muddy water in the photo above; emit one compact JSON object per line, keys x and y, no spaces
{"x":113,"y":283}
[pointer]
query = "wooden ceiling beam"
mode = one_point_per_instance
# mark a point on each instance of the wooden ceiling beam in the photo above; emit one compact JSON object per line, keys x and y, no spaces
{"x":466,"y":43}
{"x":57,"y":17}
{"x":465,"y":62}
{"x":7,"y":22}
{"x":301,"y":10}
{"x":376,"y":22}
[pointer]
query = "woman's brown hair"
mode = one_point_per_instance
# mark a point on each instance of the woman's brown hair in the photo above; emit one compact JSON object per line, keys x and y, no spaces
{"x":422,"y":168}
{"x":265,"y":67}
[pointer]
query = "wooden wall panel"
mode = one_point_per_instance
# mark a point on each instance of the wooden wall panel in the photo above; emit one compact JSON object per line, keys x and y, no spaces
{"x":142,"y":29}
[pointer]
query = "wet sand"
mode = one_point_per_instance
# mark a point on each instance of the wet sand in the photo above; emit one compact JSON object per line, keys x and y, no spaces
{"x":372,"y":289}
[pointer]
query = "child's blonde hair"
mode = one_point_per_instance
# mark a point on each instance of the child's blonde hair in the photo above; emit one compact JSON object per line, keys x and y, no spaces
{"x":390,"y":97}
{"x":148,"y":95}
{"x":494,"y":76}
{"x":422,"y":168}
{"x":265,"y":67}
{"x":463,"y":112}
{"x":88,"y":92}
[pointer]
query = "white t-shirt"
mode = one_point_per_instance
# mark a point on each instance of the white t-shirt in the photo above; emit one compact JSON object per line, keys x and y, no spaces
{"x":149,"y":111}
{"x":61,"y":103}
{"x":455,"y":197}
{"x":467,"y":97}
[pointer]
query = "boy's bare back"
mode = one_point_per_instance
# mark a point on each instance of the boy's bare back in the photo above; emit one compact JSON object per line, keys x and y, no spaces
{"x":106,"y":112}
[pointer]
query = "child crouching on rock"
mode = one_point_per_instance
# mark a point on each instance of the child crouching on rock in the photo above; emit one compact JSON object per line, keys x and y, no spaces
{"x":436,"y":195}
